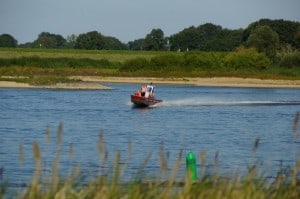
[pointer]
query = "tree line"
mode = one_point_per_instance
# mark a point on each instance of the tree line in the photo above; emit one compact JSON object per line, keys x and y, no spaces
{"x":265,"y":35}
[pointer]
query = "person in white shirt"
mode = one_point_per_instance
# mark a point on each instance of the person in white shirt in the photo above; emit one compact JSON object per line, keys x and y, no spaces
{"x":149,"y":90}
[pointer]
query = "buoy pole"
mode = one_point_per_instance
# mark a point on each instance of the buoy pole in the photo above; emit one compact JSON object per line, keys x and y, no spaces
{"x":191,"y":166}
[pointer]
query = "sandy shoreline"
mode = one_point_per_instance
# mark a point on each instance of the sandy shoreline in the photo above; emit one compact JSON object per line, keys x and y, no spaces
{"x":215,"y":81}
{"x":66,"y":86}
{"x":95,"y":83}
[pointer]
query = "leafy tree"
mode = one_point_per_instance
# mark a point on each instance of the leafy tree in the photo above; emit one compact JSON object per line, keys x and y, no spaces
{"x":26,"y":45}
{"x":297,"y":35}
{"x":286,"y":30}
{"x":154,"y":40}
{"x":90,"y":41}
{"x":136,"y":44}
{"x":112,"y":43}
{"x":186,"y":39}
{"x":49,"y":40}
{"x":206,"y":37}
{"x":7,"y":40}
{"x":71,"y":41}
{"x":264,"y":39}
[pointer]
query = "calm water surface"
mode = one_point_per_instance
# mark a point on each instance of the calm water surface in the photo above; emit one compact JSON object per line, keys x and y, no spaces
{"x":222,"y":122}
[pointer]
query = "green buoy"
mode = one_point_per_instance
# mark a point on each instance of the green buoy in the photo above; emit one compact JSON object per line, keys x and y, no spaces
{"x":191,"y":166}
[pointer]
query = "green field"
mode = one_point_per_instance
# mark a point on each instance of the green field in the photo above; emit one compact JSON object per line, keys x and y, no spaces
{"x":52,"y":63}
{"x":119,"y":56}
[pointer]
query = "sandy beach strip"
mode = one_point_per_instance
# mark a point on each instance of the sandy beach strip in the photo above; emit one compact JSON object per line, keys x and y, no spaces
{"x":66,"y":86}
{"x":11,"y":84}
{"x":214,"y":81}
{"x":96,"y":82}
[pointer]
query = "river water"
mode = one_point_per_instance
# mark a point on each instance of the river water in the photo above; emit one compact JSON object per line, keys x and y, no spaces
{"x":220,"y":123}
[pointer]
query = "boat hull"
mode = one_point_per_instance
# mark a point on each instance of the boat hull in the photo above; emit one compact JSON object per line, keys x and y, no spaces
{"x":141,"y":101}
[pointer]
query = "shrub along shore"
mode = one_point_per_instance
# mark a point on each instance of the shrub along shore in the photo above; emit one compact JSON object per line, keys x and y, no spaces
{"x":47,"y":66}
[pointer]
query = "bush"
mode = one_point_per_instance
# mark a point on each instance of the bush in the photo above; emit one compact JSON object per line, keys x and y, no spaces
{"x":165,"y":61}
{"x":135,"y":64}
{"x":36,"y":61}
{"x":290,"y":60}
{"x":4,"y":62}
{"x":203,"y":60}
{"x":247,"y":58}
{"x":196,"y":59}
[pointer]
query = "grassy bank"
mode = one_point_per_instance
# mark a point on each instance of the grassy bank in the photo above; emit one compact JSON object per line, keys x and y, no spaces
{"x":109,"y":184}
{"x":243,"y":63}
{"x":113,"y":56}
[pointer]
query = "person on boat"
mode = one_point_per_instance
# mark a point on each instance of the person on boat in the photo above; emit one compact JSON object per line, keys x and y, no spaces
{"x":149,"y":90}
{"x":143,"y":90}
{"x":138,"y":93}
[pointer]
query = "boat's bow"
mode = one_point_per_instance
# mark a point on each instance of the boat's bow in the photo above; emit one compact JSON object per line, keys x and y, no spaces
{"x":144,"y":101}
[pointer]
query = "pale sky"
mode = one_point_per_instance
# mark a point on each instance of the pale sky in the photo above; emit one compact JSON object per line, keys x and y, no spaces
{"x":128,"y":20}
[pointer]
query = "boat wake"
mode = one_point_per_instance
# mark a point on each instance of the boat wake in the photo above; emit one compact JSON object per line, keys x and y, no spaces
{"x":206,"y":102}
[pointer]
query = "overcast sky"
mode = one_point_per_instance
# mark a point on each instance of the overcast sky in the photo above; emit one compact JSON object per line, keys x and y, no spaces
{"x":128,"y":20}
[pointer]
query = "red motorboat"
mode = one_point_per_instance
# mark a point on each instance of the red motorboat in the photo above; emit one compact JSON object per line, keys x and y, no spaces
{"x":144,"y":97}
{"x":141,"y":101}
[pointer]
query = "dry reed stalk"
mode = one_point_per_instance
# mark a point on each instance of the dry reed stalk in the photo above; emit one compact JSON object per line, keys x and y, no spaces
{"x":71,"y":150}
{"x":101,"y":146}
{"x":163,"y":159}
{"x":175,"y":169}
{"x":295,"y":125}
{"x":21,"y":153}
{"x":295,"y":136}
{"x":35,"y":187}
{"x":36,"y":152}
{"x":59,"y":135}
{"x":130,"y":149}
{"x":48,"y":132}
{"x":55,"y":164}
{"x":255,"y":145}
{"x":54,"y":173}
{"x":129,"y":154}
{"x":203,"y":161}
{"x":141,"y":168}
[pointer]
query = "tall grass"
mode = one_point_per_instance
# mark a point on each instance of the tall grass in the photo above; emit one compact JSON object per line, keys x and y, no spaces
{"x":110,"y":55}
{"x":290,"y":60}
{"x":240,"y":63}
{"x":63,"y":62}
{"x":110,"y":185}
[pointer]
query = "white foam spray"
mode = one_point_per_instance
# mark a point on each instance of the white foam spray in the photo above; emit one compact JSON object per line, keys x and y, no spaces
{"x":220,"y":102}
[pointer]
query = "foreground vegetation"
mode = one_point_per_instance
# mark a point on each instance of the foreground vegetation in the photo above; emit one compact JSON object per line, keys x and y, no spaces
{"x":110,"y":185}
{"x":40,"y":66}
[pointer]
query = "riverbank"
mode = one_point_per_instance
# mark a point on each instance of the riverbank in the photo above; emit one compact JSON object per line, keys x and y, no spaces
{"x":66,"y":86}
{"x":95,"y":82}
{"x":214,"y":81}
